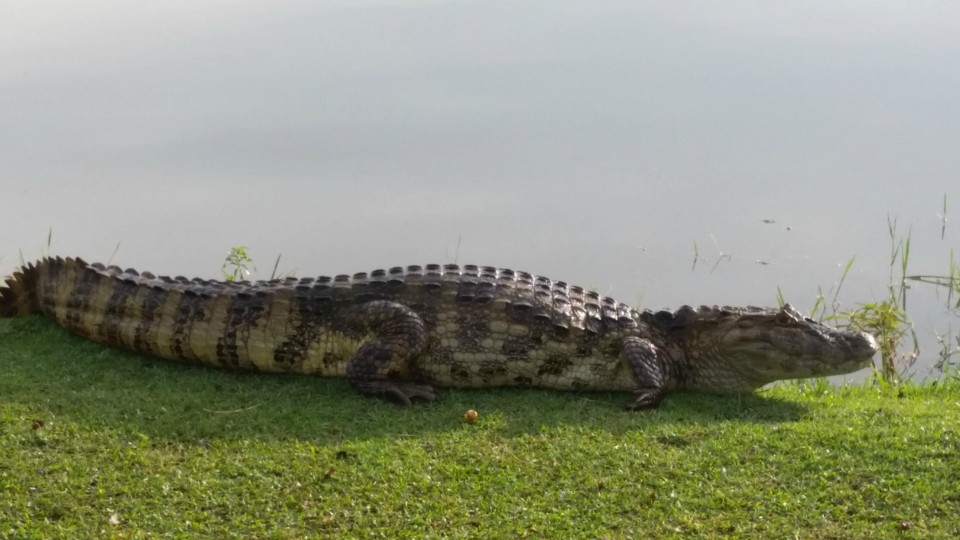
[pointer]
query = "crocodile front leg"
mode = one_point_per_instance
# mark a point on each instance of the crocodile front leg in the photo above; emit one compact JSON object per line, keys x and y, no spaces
{"x":651,"y":387}
{"x":379,"y":366}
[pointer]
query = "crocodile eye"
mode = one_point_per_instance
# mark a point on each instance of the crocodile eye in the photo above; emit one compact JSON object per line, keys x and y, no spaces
{"x":784,"y":318}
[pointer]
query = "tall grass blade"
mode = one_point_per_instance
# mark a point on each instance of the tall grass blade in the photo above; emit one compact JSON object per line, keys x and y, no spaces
{"x":843,"y":277}
{"x":116,"y":248}
{"x":943,"y":218}
{"x":276,"y":263}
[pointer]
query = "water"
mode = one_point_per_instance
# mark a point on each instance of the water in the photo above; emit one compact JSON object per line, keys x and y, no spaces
{"x":662,"y":154}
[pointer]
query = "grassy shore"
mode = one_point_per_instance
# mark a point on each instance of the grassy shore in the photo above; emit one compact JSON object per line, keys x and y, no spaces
{"x":96,"y":443}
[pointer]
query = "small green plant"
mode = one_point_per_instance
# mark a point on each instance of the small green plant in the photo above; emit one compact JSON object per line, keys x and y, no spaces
{"x":889,"y":324}
{"x":237,"y":264}
{"x":887,"y":319}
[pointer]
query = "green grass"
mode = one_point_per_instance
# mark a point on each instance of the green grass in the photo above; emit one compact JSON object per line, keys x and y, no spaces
{"x":131,"y":447}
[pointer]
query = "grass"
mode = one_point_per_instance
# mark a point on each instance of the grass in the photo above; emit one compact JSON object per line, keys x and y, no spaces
{"x":97,"y":443}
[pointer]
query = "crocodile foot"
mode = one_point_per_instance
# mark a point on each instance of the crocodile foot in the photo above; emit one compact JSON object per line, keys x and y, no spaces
{"x":647,"y":398}
{"x":399,"y":392}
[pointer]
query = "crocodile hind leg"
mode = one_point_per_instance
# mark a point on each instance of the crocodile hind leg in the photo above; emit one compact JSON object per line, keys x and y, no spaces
{"x":651,"y":387}
{"x":381,"y":365}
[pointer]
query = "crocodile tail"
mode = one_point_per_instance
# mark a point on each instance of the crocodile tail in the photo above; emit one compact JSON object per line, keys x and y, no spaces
{"x":18,"y":295}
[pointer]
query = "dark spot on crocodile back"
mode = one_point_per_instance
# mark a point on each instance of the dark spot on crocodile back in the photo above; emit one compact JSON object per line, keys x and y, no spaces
{"x":555,"y":364}
{"x":523,"y":380}
{"x":460,"y":372}
{"x":587,"y":342}
{"x":152,"y":299}
{"x":115,"y":311}
{"x":245,"y":310}
{"x":474,"y":327}
{"x":516,"y":348}
{"x":190,"y":312}
{"x":78,"y":302}
{"x":491,"y":370}
{"x":580,"y":384}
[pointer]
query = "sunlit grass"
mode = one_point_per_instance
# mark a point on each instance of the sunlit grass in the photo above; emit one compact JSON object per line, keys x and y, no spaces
{"x":101,"y":443}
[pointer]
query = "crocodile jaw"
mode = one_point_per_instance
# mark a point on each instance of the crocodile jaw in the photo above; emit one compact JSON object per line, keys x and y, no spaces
{"x":789,"y":346}
{"x":767,"y":361}
{"x":730,"y":350}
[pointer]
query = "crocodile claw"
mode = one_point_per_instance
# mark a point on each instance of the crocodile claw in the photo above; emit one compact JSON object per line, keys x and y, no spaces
{"x":647,"y":398}
{"x":401,"y":393}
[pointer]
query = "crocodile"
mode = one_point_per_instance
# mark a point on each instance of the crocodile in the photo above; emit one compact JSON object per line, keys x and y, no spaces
{"x":398,"y":333}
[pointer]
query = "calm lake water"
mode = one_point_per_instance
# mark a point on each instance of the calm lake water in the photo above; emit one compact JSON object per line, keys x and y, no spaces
{"x":663,"y":154}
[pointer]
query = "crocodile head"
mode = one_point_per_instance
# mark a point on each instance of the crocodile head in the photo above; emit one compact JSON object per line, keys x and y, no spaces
{"x":744,"y":348}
